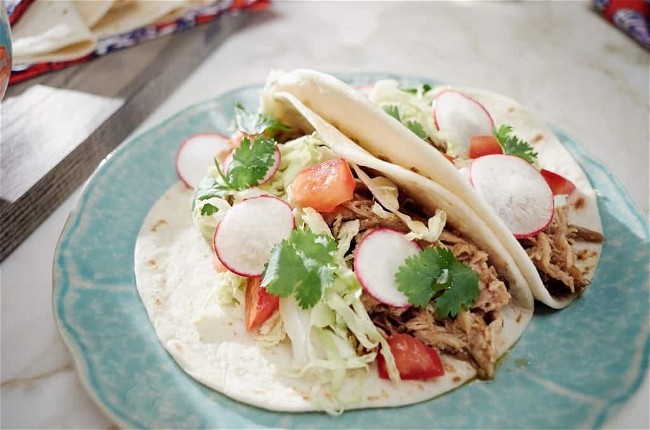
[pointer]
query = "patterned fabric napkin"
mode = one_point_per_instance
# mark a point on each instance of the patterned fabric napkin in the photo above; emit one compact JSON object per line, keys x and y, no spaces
{"x":49,"y":36}
{"x":631,"y":16}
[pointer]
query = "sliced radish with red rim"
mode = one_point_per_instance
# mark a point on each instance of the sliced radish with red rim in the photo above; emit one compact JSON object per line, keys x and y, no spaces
{"x":196,"y":154}
{"x":377,"y":259}
{"x":461,"y":117}
{"x":243,"y":240}
{"x":365,"y":89}
{"x":516,"y":191}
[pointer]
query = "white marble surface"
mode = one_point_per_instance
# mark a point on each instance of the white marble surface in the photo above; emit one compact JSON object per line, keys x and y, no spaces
{"x":562,"y":60}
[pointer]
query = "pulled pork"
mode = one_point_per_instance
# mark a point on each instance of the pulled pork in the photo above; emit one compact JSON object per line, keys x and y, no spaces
{"x":361,"y":208}
{"x":552,"y":253}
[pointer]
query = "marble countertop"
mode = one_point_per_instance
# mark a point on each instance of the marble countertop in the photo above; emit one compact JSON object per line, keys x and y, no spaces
{"x":568,"y":65}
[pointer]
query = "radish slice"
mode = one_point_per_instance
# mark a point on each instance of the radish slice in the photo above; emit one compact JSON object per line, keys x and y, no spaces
{"x":377,"y":259}
{"x":243,"y":240}
{"x":516,"y":190}
{"x":461,"y":117}
{"x":269,"y":174}
{"x":364,"y":89}
{"x":196,"y":154}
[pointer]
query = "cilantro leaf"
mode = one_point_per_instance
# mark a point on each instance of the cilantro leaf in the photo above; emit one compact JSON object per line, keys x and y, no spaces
{"x":393,"y":111}
{"x":462,"y":291}
{"x":416,"y":277}
{"x":210,"y":187}
{"x":302,"y":265}
{"x":512,"y":145}
{"x":250,"y":162}
{"x":434,"y":273}
{"x":416,"y":128}
{"x":414,"y":90}
{"x":208,"y":209}
{"x":256,"y":123}
{"x":279,"y":280}
{"x":249,"y":165}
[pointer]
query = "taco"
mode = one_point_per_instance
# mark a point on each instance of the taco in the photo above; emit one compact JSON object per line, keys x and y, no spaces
{"x":441,"y":133}
{"x":303,"y":273}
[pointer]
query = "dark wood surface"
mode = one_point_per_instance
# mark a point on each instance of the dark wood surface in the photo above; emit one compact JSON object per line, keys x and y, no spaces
{"x":53,"y":137}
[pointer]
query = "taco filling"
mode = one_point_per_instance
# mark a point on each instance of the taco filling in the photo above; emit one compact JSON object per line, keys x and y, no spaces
{"x":515,"y":174}
{"x":551,"y":250}
{"x":310,"y":292}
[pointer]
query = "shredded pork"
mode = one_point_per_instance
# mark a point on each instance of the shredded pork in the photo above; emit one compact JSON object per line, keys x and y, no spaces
{"x":552,"y":253}
{"x":361,"y":208}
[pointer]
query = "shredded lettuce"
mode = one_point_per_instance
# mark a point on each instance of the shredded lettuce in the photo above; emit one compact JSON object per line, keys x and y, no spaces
{"x":387,"y":193}
{"x":232,"y":288}
{"x":325,"y":338}
{"x":271,"y":332}
{"x":407,"y":107}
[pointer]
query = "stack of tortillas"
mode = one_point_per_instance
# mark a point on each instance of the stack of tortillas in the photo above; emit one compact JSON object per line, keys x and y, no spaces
{"x":65,"y":30}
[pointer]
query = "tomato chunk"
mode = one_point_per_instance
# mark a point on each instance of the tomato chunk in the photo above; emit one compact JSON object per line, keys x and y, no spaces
{"x":558,"y":183}
{"x":324,"y":186}
{"x":259,"y":305}
{"x":484,"y":145}
{"x":414,"y":359}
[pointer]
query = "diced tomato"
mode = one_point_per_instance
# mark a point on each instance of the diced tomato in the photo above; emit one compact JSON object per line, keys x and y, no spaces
{"x":484,"y":145}
{"x":558,"y":183}
{"x":324,"y":186}
{"x":260,"y":304}
{"x":414,"y":359}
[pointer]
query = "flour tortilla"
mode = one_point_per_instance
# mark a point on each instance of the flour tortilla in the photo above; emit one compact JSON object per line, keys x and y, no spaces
{"x":385,"y":138}
{"x":92,"y":11}
{"x":176,"y":280}
{"x":51,"y":31}
{"x":180,"y":12}
{"x":130,"y":15}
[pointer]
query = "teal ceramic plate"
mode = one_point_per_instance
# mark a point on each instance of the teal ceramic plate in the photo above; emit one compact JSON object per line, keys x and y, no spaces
{"x":572,"y":368}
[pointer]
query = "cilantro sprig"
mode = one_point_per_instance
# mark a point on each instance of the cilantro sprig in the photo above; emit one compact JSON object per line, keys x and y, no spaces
{"x":512,"y":145}
{"x":303,"y":265}
{"x":414,"y":126}
{"x":434,"y":273}
{"x":249,"y":165}
{"x":423,"y":88}
{"x":256,"y":123}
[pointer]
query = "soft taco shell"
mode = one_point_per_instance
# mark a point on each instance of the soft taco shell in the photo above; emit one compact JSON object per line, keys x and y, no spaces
{"x":92,"y":11}
{"x":384,"y":137}
{"x":176,"y":279}
{"x":51,"y":31}
{"x":133,"y":14}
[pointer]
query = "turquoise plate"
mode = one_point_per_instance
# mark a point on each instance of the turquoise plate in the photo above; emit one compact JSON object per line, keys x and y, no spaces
{"x":572,"y":368}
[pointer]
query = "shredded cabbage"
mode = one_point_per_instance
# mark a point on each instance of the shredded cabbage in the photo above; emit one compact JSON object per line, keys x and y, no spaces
{"x":231,"y":290}
{"x":386,"y":194}
{"x":416,"y":107}
{"x":320,"y":337}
